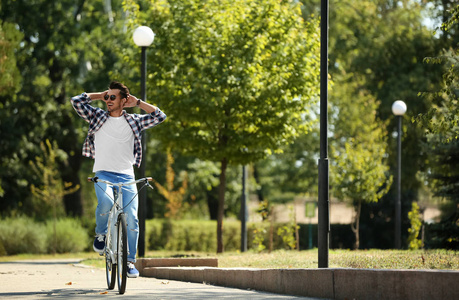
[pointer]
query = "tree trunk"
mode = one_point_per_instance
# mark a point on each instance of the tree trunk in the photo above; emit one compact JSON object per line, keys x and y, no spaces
{"x":256,"y":175}
{"x":212,"y":202}
{"x":221,"y":205}
{"x":356,"y":225}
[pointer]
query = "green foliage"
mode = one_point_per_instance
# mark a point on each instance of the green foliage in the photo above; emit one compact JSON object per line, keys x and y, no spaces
{"x":441,"y":124}
{"x":288,"y":231}
{"x":2,"y":191}
{"x":175,"y":197}
{"x":9,"y":73}
{"x":453,"y":19}
{"x":444,"y":235}
{"x":70,"y":236}
{"x":236,"y":83}
{"x":359,"y":160}
{"x":48,"y":196}
{"x":415,"y":218}
{"x":61,"y":51}
{"x":359,"y":147}
{"x":377,"y":48}
{"x":259,"y":233}
{"x":294,"y":172}
{"x":259,"y":238}
{"x":442,"y":118}
{"x":200,"y":235}
{"x":22,"y":235}
{"x":196,"y":235}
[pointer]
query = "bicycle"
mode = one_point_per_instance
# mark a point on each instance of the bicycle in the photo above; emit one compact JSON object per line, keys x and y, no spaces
{"x":116,"y":245}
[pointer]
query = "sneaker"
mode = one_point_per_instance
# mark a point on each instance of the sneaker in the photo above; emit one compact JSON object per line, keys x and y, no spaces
{"x":132,"y":271}
{"x":99,"y":243}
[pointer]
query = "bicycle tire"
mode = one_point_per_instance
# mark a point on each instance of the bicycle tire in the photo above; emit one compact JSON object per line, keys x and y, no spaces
{"x":122,"y":253}
{"x":110,"y":269}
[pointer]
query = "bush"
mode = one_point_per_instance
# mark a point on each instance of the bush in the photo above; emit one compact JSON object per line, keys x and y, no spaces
{"x":70,"y":236}
{"x":191,"y":235}
{"x":201,"y":235}
{"x":22,"y":235}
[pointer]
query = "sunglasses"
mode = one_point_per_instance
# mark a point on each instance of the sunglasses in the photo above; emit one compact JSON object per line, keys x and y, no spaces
{"x":112,"y":97}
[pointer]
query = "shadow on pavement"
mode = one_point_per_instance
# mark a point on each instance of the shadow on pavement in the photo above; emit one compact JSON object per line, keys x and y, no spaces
{"x":187,"y":293}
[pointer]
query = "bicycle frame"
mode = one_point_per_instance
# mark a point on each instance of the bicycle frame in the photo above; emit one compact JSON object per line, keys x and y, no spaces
{"x":111,"y":252}
{"x":116,"y":210}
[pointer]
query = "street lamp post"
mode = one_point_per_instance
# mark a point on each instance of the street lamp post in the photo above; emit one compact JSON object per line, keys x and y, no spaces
{"x":323,"y":201}
{"x":399,"y":109}
{"x":244,"y":214}
{"x":143,"y":37}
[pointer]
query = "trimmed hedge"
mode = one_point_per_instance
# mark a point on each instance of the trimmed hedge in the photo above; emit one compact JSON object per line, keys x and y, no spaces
{"x":201,"y":235}
{"x":190,"y":235}
{"x":24,"y":235}
{"x":70,"y":236}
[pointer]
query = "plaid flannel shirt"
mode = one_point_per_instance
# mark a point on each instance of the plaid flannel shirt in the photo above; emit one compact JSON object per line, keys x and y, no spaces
{"x":96,"y":117}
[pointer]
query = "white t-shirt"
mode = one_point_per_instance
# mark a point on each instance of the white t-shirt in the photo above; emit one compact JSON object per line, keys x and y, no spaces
{"x":114,"y":147}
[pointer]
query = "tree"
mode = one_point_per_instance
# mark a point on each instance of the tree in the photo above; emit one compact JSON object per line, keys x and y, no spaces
{"x":9,"y":73}
{"x":49,"y":194}
{"x":174,"y":197}
{"x":443,"y":118}
{"x":62,"y":50}
{"x":441,"y":126}
{"x":359,"y":163}
{"x":283,"y":176}
{"x":385,"y":43}
{"x":234,"y":77}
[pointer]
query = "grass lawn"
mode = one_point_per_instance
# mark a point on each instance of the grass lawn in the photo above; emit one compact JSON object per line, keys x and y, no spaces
{"x":364,"y":259}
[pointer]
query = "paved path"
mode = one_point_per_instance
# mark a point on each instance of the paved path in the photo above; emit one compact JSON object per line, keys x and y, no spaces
{"x":63,"y":279}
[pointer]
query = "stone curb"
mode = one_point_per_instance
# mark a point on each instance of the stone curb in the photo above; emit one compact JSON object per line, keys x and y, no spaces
{"x":143,"y":263}
{"x":324,"y":283}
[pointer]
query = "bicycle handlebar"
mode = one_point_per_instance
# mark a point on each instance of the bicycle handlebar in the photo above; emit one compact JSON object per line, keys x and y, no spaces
{"x":96,"y":179}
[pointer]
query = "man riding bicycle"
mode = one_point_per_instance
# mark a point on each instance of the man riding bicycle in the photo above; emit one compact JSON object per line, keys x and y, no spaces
{"x":114,"y":142}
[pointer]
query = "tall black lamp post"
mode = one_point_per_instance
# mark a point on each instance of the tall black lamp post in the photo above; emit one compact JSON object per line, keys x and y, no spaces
{"x":143,"y":37}
{"x":244,"y":211}
{"x":399,"y":109}
{"x":323,"y":201}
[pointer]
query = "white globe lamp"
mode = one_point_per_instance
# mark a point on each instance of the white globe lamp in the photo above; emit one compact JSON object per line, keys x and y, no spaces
{"x":399,"y":108}
{"x":143,"y":36}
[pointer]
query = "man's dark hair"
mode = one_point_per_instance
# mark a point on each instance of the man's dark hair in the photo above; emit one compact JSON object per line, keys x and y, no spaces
{"x":115,"y":85}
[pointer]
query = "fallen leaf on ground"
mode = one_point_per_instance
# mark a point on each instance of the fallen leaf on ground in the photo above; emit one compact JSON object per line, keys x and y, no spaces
{"x":103,"y":293}
{"x":164,"y":282}
{"x":69,"y":283}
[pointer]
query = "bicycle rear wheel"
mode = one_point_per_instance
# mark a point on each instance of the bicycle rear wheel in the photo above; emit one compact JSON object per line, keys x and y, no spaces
{"x":110,"y":267}
{"x":122,"y":253}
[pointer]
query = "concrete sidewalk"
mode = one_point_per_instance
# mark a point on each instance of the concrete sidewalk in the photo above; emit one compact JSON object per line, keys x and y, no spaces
{"x":64,"y":279}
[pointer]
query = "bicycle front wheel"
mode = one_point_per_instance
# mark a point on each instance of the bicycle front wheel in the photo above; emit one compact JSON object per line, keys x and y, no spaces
{"x":122,"y":253}
{"x":110,"y":268}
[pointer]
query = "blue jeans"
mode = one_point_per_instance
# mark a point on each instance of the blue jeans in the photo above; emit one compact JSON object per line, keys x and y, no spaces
{"x":105,"y":202}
